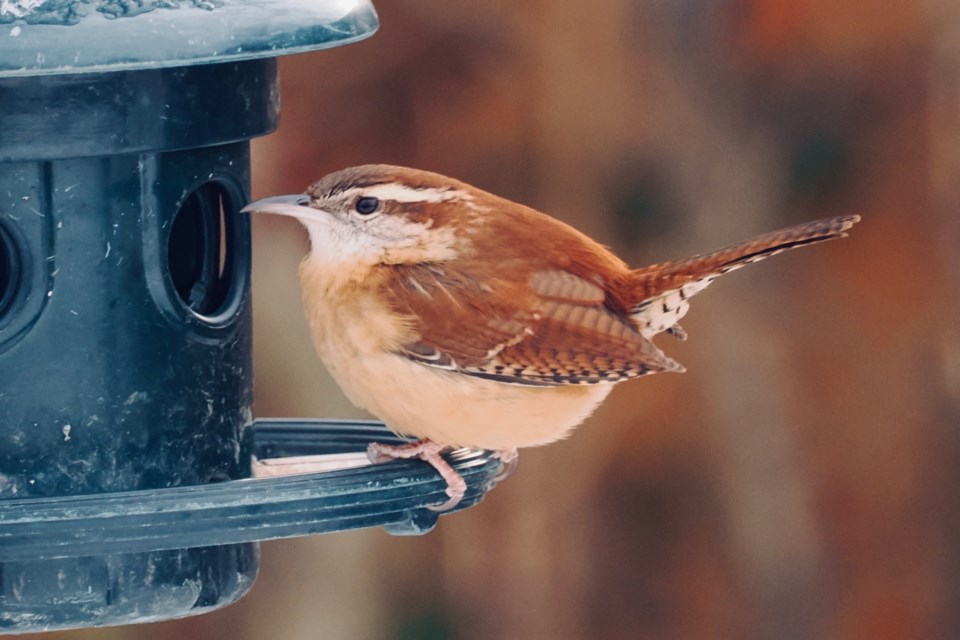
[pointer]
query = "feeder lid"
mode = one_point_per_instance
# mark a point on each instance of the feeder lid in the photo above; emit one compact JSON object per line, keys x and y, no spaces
{"x":39,"y":37}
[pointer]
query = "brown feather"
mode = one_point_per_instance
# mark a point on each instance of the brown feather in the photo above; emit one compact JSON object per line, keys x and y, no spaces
{"x":541,"y":328}
{"x":649,"y":282}
{"x":659,"y":295}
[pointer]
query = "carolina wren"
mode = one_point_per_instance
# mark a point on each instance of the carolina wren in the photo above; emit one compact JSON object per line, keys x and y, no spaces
{"x":466,"y":320}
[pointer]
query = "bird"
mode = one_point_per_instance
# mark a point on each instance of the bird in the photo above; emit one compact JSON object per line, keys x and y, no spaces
{"x":463,"y":319}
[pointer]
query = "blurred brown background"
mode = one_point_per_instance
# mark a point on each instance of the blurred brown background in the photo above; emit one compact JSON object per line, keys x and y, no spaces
{"x":800,"y":480}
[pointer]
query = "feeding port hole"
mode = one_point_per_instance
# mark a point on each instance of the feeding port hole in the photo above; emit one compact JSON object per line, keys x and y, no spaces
{"x":201,"y":249}
{"x":9,"y":271}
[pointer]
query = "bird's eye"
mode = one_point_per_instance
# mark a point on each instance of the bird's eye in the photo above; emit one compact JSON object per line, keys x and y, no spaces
{"x":366,"y":205}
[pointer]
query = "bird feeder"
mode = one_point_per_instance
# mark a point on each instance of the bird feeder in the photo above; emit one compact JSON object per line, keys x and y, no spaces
{"x":126,"y":430}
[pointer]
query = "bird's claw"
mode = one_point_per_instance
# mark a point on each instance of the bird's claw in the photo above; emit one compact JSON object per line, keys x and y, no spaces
{"x":510,"y":459}
{"x":429,"y":452}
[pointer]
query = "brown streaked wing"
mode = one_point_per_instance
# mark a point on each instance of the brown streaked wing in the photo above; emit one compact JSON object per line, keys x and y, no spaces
{"x":577,"y":344}
{"x":553,"y":329}
{"x":460,"y":321}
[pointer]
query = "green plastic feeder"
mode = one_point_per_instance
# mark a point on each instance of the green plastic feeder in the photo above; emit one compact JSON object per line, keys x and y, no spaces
{"x":126,"y":430}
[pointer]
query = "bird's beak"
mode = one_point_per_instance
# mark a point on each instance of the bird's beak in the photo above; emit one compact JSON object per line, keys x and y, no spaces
{"x":297,"y":206}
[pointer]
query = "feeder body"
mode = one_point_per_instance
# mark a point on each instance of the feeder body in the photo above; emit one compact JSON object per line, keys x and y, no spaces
{"x":125,"y":355}
{"x":125,"y":331}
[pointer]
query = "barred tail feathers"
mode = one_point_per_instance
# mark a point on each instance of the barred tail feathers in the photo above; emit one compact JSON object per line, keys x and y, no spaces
{"x":663,"y":290}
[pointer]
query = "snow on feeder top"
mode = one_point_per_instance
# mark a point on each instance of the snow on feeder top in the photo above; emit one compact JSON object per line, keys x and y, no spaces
{"x":110,"y":35}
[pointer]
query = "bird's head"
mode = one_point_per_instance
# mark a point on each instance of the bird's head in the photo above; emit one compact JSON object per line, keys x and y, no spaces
{"x":381,"y":214}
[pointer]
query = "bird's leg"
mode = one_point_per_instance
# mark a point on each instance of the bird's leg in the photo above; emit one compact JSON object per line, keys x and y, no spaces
{"x":509,"y":458}
{"x":429,"y":452}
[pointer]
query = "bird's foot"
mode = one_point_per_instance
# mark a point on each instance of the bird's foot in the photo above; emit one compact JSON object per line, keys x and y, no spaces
{"x":429,"y":452}
{"x":510,"y":458}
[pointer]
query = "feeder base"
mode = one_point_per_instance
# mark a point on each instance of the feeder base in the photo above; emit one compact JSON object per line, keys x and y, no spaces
{"x":67,"y":593}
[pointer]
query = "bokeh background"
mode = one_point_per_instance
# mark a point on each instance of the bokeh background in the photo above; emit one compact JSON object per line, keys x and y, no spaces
{"x":800,"y":481}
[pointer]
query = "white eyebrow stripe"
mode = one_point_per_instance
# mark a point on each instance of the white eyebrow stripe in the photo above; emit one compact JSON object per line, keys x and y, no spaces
{"x":401,"y":193}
